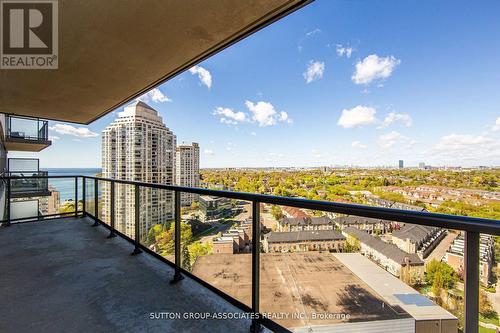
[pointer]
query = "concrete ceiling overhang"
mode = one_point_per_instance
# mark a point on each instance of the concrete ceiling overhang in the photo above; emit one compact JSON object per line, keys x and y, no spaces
{"x":111,"y":51}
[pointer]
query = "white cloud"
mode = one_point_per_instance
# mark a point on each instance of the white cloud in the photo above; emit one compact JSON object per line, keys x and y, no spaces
{"x":265,"y":115}
{"x":314,"y":71}
{"x":458,"y":142}
{"x":262,"y":113}
{"x":313,"y":32}
{"x":66,"y":129}
{"x":393,"y":138}
{"x":284,"y":117}
{"x":393,"y":117}
{"x":53,"y":137}
{"x":344,"y":50}
{"x":374,"y":67}
{"x":357,"y":144}
{"x":208,"y":152}
{"x":231,"y":149}
{"x":466,"y":147}
{"x":318,"y":154}
{"x":154,"y":95}
{"x":306,"y":36}
{"x":230,"y":117}
{"x":253,"y":134}
{"x":496,"y":127}
{"x":388,"y":140}
{"x":357,"y":117}
{"x":203,"y":74}
{"x":274,"y":157}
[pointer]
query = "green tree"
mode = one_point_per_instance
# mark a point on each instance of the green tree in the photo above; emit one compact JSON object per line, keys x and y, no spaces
{"x":277,"y":213}
{"x":198,"y":249}
{"x":440,"y":275}
{"x":485,"y":307}
{"x":165,"y":240}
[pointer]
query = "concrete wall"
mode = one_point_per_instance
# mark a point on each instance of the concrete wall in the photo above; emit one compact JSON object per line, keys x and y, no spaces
{"x":436,"y":326}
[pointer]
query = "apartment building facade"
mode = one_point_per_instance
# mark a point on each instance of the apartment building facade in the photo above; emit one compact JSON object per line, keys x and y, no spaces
{"x":28,"y":197}
{"x":455,"y":257}
{"x":288,"y":224}
{"x":187,"y":170}
{"x":406,"y":266}
{"x":303,"y":241}
{"x":138,"y":146}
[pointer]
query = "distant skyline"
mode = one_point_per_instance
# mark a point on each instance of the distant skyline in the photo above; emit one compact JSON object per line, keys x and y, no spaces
{"x":335,"y":83}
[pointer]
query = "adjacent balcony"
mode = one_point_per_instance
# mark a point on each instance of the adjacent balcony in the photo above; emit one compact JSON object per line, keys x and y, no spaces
{"x":83,"y":278}
{"x":26,"y":134}
{"x":26,"y":178}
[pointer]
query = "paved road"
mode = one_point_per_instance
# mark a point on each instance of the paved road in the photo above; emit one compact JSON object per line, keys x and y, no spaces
{"x":222,"y":227}
{"x":440,"y":250}
{"x":495,"y":298}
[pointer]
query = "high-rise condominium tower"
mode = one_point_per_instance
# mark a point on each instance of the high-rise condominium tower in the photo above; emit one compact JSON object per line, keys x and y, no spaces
{"x":187,"y":170}
{"x":138,"y":146}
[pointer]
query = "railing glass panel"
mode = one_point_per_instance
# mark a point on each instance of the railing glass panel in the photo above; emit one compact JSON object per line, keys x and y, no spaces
{"x":23,"y":209}
{"x":27,"y":128}
{"x":124,"y":209}
{"x":216,"y":241}
{"x":156,"y":221}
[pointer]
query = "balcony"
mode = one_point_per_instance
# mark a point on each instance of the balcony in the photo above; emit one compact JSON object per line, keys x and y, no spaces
{"x":26,"y":178}
{"x":70,"y":278}
{"x":81,"y":272}
{"x":26,"y":134}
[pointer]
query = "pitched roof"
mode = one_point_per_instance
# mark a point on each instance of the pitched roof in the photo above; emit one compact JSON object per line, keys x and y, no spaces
{"x":141,"y":103}
{"x":395,"y":204}
{"x":295,"y":212}
{"x":298,"y":236}
{"x":388,"y":250}
{"x":346,"y":220}
{"x":415,"y":233}
{"x":322,"y":220}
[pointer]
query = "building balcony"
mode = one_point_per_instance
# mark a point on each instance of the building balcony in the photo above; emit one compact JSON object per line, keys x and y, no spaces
{"x":83,"y":278}
{"x":63,"y":275}
{"x":26,"y":179}
{"x":22,"y":187}
{"x":26,"y":134}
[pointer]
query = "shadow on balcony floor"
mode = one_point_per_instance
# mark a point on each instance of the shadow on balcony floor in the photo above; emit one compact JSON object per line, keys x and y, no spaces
{"x":63,"y":275}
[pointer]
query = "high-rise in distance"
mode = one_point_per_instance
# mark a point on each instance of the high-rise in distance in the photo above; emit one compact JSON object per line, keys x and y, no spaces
{"x":138,"y":146}
{"x":187,"y":170}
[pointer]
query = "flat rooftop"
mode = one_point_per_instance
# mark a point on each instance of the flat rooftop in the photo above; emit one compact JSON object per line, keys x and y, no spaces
{"x":64,"y":275}
{"x":311,"y":282}
{"x":393,"y":290}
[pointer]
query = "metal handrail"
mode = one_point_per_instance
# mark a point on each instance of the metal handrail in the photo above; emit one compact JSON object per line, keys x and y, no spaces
{"x":42,"y":128}
{"x":471,"y":225}
{"x":458,"y":222}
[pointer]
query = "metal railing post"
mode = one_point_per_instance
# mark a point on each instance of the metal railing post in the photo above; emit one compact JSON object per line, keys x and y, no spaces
{"x":471,"y":282}
{"x":84,"y":198}
{"x":177,"y":241}
{"x":112,"y":210}
{"x":256,"y":326}
{"x":8,"y":203}
{"x":76,"y":196}
{"x":96,"y":202}
{"x":137,"y":235}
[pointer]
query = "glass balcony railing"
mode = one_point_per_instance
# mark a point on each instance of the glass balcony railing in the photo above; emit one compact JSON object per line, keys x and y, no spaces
{"x":25,"y":184}
{"x":30,"y":129}
{"x":26,"y":178}
{"x":327,"y":271}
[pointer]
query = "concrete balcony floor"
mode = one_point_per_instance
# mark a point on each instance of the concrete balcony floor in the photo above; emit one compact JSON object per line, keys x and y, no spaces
{"x":64,"y":276}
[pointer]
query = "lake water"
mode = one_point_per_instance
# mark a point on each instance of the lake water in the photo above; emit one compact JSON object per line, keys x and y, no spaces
{"x":66,"y":186}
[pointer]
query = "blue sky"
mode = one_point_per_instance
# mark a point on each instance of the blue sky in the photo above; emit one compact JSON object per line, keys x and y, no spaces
{"x":336,"y":83}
